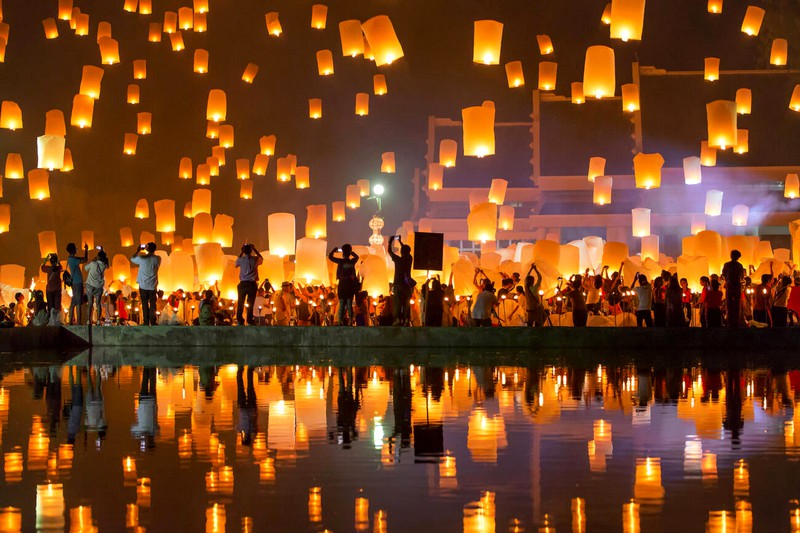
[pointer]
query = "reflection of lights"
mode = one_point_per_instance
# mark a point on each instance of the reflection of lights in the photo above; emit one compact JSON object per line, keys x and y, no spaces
{"x":647,"y":487}
{"x":143,"y":492}
{"x":794,"y":516}
{"x":10,"y":519}
{"x":131,"y":515}
{"x":266,"y":470}
{"x":741,"y":479}
{"x":578,"y":515}
{"x":380,"y":522}
{"x":50,"y":506}
{"x":721,"y":522}
{"x":377,"y":433}
{"x":362,"y":514}
{"x":630,"y":518}
{"x":479,"y":516}
{"x":215,"y":519}
{"x":315,"y":504}
{"x":13,"y":466}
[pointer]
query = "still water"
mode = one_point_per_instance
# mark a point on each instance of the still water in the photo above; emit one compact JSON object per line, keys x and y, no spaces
{"x":89,"y":445}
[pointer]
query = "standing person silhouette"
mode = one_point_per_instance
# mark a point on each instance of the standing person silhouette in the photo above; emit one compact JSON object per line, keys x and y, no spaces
{"x":53,"y":269}
{"x":147,"y":279}
{"x":247,"y":263}
{"x":74,"y":268}
{"x":347,"y":285}
{"x":733,"y":274}
{"x":403,"y":284}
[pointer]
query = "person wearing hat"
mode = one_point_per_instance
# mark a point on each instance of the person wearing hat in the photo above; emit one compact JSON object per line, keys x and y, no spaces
{"x":284,"y":300}
{"x":484,"y":305}
{"x":95,"y":282}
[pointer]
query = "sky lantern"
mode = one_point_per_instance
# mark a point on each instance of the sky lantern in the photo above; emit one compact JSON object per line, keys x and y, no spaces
{"x":547,"y":75}
{"x":597,"y":167}
{"x":50,"y":28}
{"x":721,"y":117}
{"x":10,"y":115}
{"x":64,"y":9}
{"x":47,"y":243}
{"x":87,"y":238}
{"x":713,"y":203}
{"x":711,"y":70}
{"x":187,"y":210}
{"x":154,"y":32}
{"x":338,"y":211}
{"x":51,"y":151}
{"x":223,"y":230}
{"x":2,"y":49}
{"x":68,"y":164}
{"x":599,"y":74}
{"x":698,"y":223}
{"x":81,"y":24}
{"x":202,"y":228}
{"x":379,"y":87}
{"x":577,"y":96}
{"x":708,"y":155}
{"x":383,"y":40}
{"x":351,"y":35}
{"x":448,"y":150}
{"x":201,"y":61}
{"x":362,"y":104}
{"x":647,"y":170}
{"x":200,"y":23}
{"x":319,"y":16}
{"x":130,"y":6}
{"x":488,"y":38}
{"x":170,"y":22}
{"x":744,"y":101}
{"x":133,"y":94}
{"x":140,"y":69}
{"x":82,"y":111}
{"x":120,"y":265}
{"x":387,"y":163}
{"x":91,"y":79}
{"x":605,"y":18}
{"x":165,"y":215}
{"x":353,"y":196}
{"x":243,"y":169}
{"x":435,"y":176}
{"x":363,"y":187}
{"x":325,"y":62}
{"x":250,"y":72}
{"x":315,"y":108}
{"x":212,"y":129}
{"x":545,"y":44}
{"x":627,"y":19}
{"x":246,"y":190}
{"x":614,"y":253}
{"x":14,"y":168}
{"x":482,"y":222}
{"x":204,"y":172}
{"x":185,"y":168}
{"x":715,"y":6}
{"x":145,"y":7}
{"x":39,"y":184}
{"x":692,"y":173}
{"x":739,"y":215}
{"x":125,"y":237}
{"x":302,"y":179}
{"x":217,"y":107}
{"x":284,"y":171}
{"x":142,"y":209}
{"x":478,"y":130}
{"x":267,"y":144}
{"x":310,"y":263}
{"x":779,"y":54}
{"x":210,"y":262}
{"x":201,"y":201}
{"x":316,"y":221}
{"x":176,"y":40}
{"x":185,"y":18}
{"x":167,"y":239}
{"x":791,"y":188}
{"x":144,"y":123}
{"x":794,"y":103}
{"x":260,"y":164}
{"x":273,"y":24}
{"x":200,"y":6}
{"x":742,"y":141}
{"x":497,"y":191}
{"x":640,"y":219}
{"x":514,"y":74}
{"x":630,"y":97}
{"x":109,"y":50}
{"x":103,"y":30}
{"x":505,"y":220}
{"x":129,"y":144}
{"x":602,"y":190}
{"x":753,"y":18}
{"x":281,"y":233}
{"x":226,"y":136}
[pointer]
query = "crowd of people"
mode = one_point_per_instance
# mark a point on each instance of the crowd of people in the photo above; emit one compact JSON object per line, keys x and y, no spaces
{"x":730,"y":299}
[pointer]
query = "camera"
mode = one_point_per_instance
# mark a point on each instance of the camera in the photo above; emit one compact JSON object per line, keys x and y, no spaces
{"x":98,"y":248}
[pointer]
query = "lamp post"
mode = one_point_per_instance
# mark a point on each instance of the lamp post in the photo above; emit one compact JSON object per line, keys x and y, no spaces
{"x":376,"y":222}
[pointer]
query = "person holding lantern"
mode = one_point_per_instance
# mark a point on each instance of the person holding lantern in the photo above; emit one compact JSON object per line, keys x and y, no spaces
{"x":247,"y":263}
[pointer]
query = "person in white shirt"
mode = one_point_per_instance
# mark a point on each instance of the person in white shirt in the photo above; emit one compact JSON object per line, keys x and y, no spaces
{"x":95,"y":282}
{"x":644,"y":294}
{"x":147,"y":279}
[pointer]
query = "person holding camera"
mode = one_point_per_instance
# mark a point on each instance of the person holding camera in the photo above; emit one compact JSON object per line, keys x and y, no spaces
{"x":403,"y":284}
{"x":348,"y":285}
{"x":52,"y":289}
{"x":76,"y":276}
{"x":148,"y":263}
{"x":247,"y":263}
{"x":95,"y":281}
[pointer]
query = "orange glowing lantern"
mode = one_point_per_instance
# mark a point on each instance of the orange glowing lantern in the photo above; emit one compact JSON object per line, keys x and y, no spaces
{"x":692,"y":173}
{"x":791,"y":188}
{"x":708,"y":155}
{"x":170,"y":22}
{"x":319,"y":16}
{"x":50,"y":28}
{"x":281,"y":234}
{"x":577,"y":96}
{"x":133,"y":94}
{"x":250,"y":73}
{"x":185,"y":18}
{"x":545,"y":44}
{"x":200,"y":23}
{"x":130,"y":6}
{"x":353,"y":196}
{"x":753,"y":18}
{"x":794,"y":103}
{"x":140,"y":69}
{"x":602,"y":190}
{"x":597,"y":167}
{"x":51,"y":151}
{"x":64,"y":9}
{"x":185,"y":168}
{"x":363,"y":187}
{"x":176,"y":41}
{"x":362,"y":104}
{"x":267,"y":144}
{"x":435,"y":176}
{"x":243,"y":169}
{"x":547,"y":75}
{"x":302,"y":178}
{"x":68,"y":164}
{"x":379,"y":87}
{"x":200,"y":6}
{"x":383,"y":40}
{"x":217,"y":107}
{"x":260,"y":164}
{"x":316,"y":221}
{"x":10,"y":116}
{"x":212,"y":168}
{"x":142,"y":209}
{"x":742,"y":142}
{"x":273,"y":24}
{"x":722,"y":131}
{"x":448,"y":150}
{"x":284,"y":171}
{"x":497,"y":191}
{"x":387,"y":163}
{"x":201,"y":61}
{"x":5,"y":217}
{"x":338,"y":211}
{"x":109,"y":50}
{"x":82,"y":111}
{"x":630,"y":97}
{"x":103,"y":30}
{"x":47,"y":243}
{"x":744,"y":101}
{"x":505,"y":220}
{"x":779,"y":54}
{"x":599,"y":72}
{"x":715,"y":6}
{"x":201,"y":202}
{"x":647,"y":170}
{"x":482,"y":222}
{"x":14,"y":168}
{"x":90,"y":81}
{"x":144,"y":123}
{"x":325,"y":62}
{"x":129,"y":144}
{"x":713,"y":203}
{"x":39,"y":184}
{"x":223,"y":230}
{"x":315,"y":108}
{"x":711,"y":71}
{"x":165,"y":215}
{"x":3,"y":43}
{"x":739,"y":215}
{"x":352,"y":38}
{"x":210,"y":262}
{"x":478,"y":129}
{"x":514,"y":74}
{"x":226,"y":136}
{"x":212,"y":129}
{"x":627,"y":19}
{"x":488,"y":39}
{"x":154,"y":32}
{"x":81,"y":23}
{"x":202,"y":228}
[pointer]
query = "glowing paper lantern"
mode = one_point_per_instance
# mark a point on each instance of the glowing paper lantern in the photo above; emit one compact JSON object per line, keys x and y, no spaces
{"x":640,"y":217}
{"x":3,"y":43}
{"x":154,"y":32}
{"x":387,"y":163}
{"x":650,"y":249}
{"x":379,"y":87}
{"x":201,"y":201}
{"x":64,"y":9}
{"x":5,"y":219}
{"x":47,"y":243}
{"x":742,"y":142}
{"x":242,"y":169}
{"x":514,"y":74}
{"x":711,"y":71}
{"x":448,"y":150}
{"x":200,"y":22}
{"x":316,"y":221}
{"x":338,"y":211}
{"x":260,"y":164}
{"x":744,"y":101}
{"x":226,"y":136}
{"x":325,"y":62}
{"x":630,"y":97}
{"x":478,"y":128}
{"x":212,"y":129}
{"x":125,"y":237}
{"x":547,"y":75}
{"x":10,"y":115}
{"x":753,"y":18}
{"x":497,"y":191}
{"x":713,"y":203}
{"x":708,"y":155}
{"x":165,"y":215}
{"x":223,"y":230}
{"x":505,"y":220}
{"x":144,"y":123}
{"x":246,"y":190}
{"x":614,"y":253}
{"x":176,"y":41}
{"x":139,"y":69}
{"x":794,"y":103}
{"x":779,"y":53}
{"x":284,"y":172}
{"x":311,"y":262}
{"x":81,"y":23}
{"x":202,"y":228}
{"x":210,"y":262}
{"x":133,"y":94}
{"x":109,"y":50}
{"x":352,"y":38}
{"x":319,"y":16}
{"x":597,"y":167}
{"x":315,"y":108}
{"x":130,"y":6}
{"x":791,"y":188}
{"x":435,"y":176}
{"x":50,"y":28}
{"x":201,"y":61}
{"x":721,"y":116}
{"x":362,"y":104}
{"x":698,"y":223}
{"x":363,"y":187}
{"x":203,"y":174}
{"x":217,"y":108}
{"x":692,"y":174}
{"x":715,"y":6}
{"x":647,"y":170}
{"x":54,"y":123}
{"x":281,"y":230}
{"x":302,"y":178}
{"x":382,"y":40}
{"x":250,"y":72}
{"x":267,"y":144}
{"x":602,"y":190}
{"x":545,"y":44}
{"x":353,"y":196}
{"x":142,"y":209}
{"x":577,"y":96}
{"x":488,"y":38}
{"x":103,"y":30}
{"x":68,"y":164}
{"x":51,"y":151}
{"x":273,"y":24}
{"x":82,"y":111}
{"x":599,"y":74}
{"x":14,"y":168}
{"x":39,"y":184}
{"x":185,"y":168}
{"x":739,"y":215}
{"x":185,"y":18}
{"x":482,"y":222}
{"x":627,"y":19}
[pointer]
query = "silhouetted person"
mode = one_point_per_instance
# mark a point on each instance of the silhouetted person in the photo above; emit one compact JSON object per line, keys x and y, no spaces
{"x":434,"y":302}
{"x":401,"y":401}
{"x":74,"y":268}
{"x":733,"y":420}
{"x":403,"y":284}
{"x":733,"y":273}
{"x":247,"y":263}
{"x":73,"y":410}
{"x":246,"y":400}
{"x":146,"y":417}
{"x":149,"y":263}
{"x":347,"y":407}
{"x":347,"y":282}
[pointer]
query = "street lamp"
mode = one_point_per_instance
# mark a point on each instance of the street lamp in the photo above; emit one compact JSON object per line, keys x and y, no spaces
{"x":376,"y":222}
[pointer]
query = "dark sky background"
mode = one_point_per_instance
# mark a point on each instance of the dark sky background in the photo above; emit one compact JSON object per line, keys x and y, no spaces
{"x":436,"y":76}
